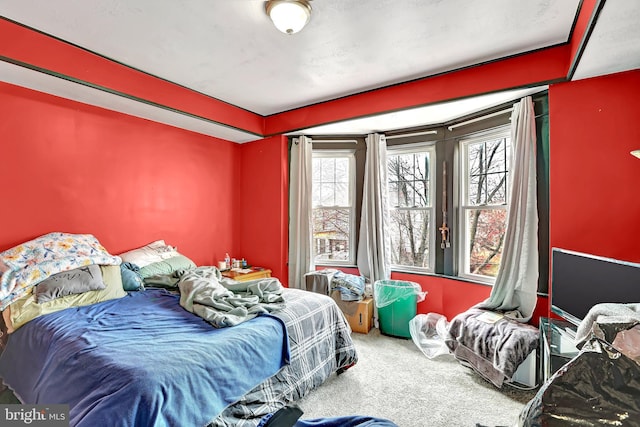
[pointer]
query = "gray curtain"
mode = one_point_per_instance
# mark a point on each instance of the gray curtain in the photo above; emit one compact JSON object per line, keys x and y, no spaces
{"x":300,"y":212}
{"x":515,"y":288}
{"x":374,"y":243}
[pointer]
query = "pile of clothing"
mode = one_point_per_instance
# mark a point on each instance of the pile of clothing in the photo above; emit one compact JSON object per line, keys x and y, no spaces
{"x":328,"y":280}
{"x":350,"y":286}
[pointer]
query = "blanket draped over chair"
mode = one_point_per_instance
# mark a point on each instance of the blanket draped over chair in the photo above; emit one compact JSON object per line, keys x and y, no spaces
{"x":493,"y":345}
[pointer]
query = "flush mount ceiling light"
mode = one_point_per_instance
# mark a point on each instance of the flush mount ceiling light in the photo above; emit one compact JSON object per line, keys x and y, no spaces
{"x":289,"y":16}
{"x":636,"y":153}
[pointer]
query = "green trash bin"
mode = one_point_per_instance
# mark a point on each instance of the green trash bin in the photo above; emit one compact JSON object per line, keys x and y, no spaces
{"x":397,"y":302}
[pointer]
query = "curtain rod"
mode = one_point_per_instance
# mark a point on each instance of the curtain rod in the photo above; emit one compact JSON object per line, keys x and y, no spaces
{"x":406,"y":135}
{"x":355,"y":141}
{"x":477,"y":119}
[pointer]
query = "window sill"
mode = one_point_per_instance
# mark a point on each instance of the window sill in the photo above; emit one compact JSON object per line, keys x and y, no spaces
{"x":443,"y":276}
{"x":337,"y":266}
{"x":414,"y":272}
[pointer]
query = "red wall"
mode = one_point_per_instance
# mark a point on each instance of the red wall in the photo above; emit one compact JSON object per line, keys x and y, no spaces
{"x":262,"y":213}
{"x":71,"y":167}
{"x":594,"y":193}
{"x":128,"y":181}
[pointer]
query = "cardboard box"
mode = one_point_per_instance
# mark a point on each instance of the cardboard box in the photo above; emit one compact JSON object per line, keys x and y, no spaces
{"x":359,"y":314}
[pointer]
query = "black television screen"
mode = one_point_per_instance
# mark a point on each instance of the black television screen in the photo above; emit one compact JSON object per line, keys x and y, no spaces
{"x":579,"y":281}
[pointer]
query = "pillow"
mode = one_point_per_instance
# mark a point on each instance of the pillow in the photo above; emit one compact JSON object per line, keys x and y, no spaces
{"x":131,"y":280}
{"x":26,"y":308}
{"x":148,"y":254}
{"x":76,"y":281}
{"x":168,"y":266}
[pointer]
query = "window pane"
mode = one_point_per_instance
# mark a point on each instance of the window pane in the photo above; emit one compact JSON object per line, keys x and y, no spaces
{"x":393,"y":194}
{"x":421,"y":163}
{"x":421,"y":194}
{"x":408,"y":176}
{"x":342,"y":194}
{"x":404,"y":195}
{"x":476,"y":158}
{"x":411,"y":207}
{"x":316,"y":171}
{"x":400,"y":168}
{"x":485,"y":236}
{"x":331,"y":181}
{"x":476,"y":191}
{"x":342,"y":169}
{"x":496,"y":188}
{"x":327,"y":170}
{"x":496,"y":155}
{"x":409,"y":234}
{"x":333,"y":211}
{"x":327,"y":194}
{"x":488,"y":163}
{"x":331,"y":231}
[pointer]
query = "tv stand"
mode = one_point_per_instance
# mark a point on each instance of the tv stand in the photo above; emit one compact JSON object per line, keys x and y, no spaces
{"x":557,"y":344}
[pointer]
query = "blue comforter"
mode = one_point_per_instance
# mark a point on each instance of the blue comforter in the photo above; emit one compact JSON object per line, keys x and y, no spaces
{"x":141,"y":360}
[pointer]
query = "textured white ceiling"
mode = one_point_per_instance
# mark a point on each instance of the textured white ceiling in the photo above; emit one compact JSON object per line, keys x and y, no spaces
{"x":614,"y":45}
{"x":228,"y":49}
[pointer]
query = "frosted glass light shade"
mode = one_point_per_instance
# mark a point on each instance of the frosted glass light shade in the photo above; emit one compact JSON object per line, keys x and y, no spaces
{"x":289,"y":16}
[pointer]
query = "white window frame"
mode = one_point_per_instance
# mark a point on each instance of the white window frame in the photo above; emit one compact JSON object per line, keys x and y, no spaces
{"x":350,"y":154}
{"x":421,"y":147}
{"x":463,"y":207}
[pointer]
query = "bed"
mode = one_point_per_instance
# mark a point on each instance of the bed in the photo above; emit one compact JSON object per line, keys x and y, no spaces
{"x":139,"y":358}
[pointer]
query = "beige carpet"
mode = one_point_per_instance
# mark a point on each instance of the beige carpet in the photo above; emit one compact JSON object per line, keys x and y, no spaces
{"x":394,"y":380}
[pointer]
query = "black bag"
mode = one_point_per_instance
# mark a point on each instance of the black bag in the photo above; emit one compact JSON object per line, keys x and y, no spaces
{"x":600,"y":386}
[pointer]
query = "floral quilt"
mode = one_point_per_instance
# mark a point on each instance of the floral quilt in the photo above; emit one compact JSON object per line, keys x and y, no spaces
{"x":31,"y":262}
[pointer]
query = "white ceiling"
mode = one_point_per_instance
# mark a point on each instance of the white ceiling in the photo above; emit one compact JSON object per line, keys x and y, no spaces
{"x":614,"y":45}
{"x":229,"y":50}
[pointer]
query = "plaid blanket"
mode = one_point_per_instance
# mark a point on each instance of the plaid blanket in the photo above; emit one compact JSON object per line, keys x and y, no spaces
{"x":320,"y":344}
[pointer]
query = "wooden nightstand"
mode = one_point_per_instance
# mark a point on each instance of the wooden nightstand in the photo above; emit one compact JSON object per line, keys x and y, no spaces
{"x":243,"y":277}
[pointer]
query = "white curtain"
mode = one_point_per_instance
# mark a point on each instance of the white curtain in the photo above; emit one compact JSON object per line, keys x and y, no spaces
{"x":515,"y":288}
{"x":374,"y":243}
{"x":300,"y":212}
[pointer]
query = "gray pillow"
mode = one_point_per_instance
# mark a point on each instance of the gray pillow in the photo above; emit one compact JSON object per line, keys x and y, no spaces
{"x":76,"y":281}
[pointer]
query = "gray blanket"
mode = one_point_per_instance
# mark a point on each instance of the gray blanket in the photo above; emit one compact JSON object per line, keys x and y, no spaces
{"x":494,"y":350}
{"x":226,"y":302}
{"x":605,"y":320}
